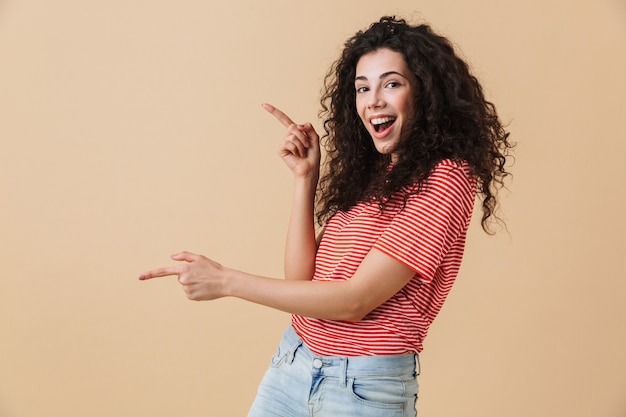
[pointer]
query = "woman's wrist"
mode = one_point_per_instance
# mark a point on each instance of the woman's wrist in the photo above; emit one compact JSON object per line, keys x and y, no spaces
{"x":230,"y":280}
{"x":310,"y":177}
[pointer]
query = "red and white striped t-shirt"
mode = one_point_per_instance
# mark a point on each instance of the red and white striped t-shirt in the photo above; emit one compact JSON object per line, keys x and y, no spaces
{"x":428,"y":235}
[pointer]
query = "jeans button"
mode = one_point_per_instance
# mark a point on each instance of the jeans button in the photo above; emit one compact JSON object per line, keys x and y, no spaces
{"x":317,"y":363}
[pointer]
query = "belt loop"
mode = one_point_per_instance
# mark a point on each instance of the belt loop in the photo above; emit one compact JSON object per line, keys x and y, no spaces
{"x":344,"y":372}
{"x":418,"y":365}
{"x":291,"y":353}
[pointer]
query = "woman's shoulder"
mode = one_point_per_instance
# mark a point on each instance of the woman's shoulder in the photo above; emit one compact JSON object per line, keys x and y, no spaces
{"x":447,"y":174}
{"x":449,"y":165}
{"x":452,"y":170}
{"x":447,"y":170}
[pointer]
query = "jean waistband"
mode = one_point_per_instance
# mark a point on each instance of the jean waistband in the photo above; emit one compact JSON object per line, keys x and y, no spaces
{"x":351,"y":366}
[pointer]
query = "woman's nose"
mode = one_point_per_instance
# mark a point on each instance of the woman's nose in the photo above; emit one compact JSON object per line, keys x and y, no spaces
{"x":374,"y":100}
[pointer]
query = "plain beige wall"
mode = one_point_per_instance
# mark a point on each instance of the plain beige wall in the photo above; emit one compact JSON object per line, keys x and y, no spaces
{"x":133,"y":129}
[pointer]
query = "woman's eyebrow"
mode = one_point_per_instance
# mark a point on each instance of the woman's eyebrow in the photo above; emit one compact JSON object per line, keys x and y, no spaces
{"x":383,"y":75}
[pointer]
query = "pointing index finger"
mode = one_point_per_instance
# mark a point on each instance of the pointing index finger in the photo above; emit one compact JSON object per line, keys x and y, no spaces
{"x":279,"y":115}
{"x":161,"y":272}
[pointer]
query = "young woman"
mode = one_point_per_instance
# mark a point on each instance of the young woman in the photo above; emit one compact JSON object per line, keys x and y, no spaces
{"x":410,"y":141}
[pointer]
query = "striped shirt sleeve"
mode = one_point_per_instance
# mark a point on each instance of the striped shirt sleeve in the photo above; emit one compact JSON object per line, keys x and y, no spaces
{"x":421,"y":235}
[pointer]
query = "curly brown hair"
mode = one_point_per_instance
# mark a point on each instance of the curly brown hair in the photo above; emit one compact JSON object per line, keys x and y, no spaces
{"x":453,"y":120}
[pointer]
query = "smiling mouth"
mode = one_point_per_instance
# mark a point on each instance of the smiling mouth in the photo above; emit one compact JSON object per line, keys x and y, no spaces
{"x":382,"y":123}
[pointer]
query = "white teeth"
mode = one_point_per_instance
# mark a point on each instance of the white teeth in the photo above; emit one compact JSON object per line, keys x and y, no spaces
{"x":381,"y":120}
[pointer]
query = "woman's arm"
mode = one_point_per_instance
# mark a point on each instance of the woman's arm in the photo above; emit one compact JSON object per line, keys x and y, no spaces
{"x":301,"y":245}
{"x":377,"y":279}
{"x":300,"y":150}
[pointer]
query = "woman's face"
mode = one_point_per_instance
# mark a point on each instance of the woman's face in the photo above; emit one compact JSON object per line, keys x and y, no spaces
{"x":384,"y":97}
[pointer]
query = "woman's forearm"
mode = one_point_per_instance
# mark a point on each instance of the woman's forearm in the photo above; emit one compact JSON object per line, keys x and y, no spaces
{"x":323,"y":300}
{"x":300,"y":245}
{"x":377,"y":279}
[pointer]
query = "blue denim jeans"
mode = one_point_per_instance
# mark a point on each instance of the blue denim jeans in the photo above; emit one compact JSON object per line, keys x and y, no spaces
{"x":301,"y":383}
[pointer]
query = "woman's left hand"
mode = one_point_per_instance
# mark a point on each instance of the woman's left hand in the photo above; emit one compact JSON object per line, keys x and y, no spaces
{"x":300,"y":149}
{"x":200,"y":277}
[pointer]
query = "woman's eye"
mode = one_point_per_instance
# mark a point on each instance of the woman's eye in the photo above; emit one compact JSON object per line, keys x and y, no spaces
{"x":361,"y":89}
{"x":393,"y":84}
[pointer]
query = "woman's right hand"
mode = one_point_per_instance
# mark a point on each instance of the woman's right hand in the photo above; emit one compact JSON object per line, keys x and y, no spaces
{"x":300,"y":149}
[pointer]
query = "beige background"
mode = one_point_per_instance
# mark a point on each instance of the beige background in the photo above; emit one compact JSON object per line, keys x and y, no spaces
{"x":133,"y":129}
